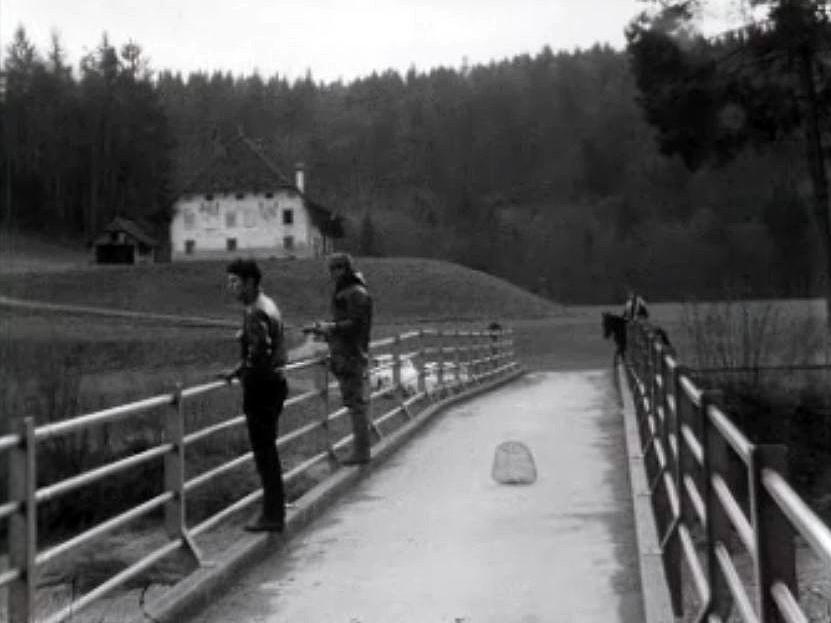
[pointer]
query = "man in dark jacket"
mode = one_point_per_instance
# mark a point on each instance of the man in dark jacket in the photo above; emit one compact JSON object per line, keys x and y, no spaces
{"x":262,"y":373}
{"x":348,"y":337}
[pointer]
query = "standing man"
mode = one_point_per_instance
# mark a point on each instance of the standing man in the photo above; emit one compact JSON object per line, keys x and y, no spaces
{"x":262,"y":373}
{"x":348,"y":337}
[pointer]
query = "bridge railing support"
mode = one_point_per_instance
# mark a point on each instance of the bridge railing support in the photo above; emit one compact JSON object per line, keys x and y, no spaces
{"x":406,"y":351}
{"x":22,"y":531}
{"x":421,"y":368}
{"x":716,"y":495}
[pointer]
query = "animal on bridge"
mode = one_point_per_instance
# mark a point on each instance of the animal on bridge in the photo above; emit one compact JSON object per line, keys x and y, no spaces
{"x":614,"y":326}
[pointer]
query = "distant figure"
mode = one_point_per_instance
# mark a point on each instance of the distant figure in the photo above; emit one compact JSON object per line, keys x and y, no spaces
{"x":635,"y":307}
{"x":348,"y":337}
{"x":261,"y":371}
{"x":614,"y":326}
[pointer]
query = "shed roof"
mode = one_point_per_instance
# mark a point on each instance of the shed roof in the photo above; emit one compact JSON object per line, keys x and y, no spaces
{"x":121,"y":224}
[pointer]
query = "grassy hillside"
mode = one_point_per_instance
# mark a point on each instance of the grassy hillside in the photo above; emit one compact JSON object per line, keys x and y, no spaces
{"x":405,"y":290}
{"x":118,"y":359}
{"x":30,"y":252}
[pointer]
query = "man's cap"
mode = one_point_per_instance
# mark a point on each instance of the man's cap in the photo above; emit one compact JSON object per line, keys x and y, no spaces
{"x":341,"y":260}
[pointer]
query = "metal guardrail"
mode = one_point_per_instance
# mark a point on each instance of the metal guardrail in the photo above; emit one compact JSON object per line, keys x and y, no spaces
{"x":709,"y":483}
{"x":417,"y":374}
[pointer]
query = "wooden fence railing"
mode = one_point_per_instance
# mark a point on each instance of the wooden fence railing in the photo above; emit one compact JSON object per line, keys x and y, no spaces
{"x":412,"y":369}
{"x":719,"y":500}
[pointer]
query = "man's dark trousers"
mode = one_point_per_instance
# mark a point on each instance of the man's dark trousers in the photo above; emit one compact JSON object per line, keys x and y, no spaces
{"x":263,"y":397}
{"x":354,"y":388}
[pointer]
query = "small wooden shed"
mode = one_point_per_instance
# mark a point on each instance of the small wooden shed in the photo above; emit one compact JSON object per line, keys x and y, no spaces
{"x":123,"y":241}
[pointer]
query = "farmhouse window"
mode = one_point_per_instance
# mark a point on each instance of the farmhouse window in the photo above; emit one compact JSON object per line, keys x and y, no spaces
{"x":240,"y":195}
{"x":269,"y":195}
{"x":288,"y":217}
{"x":231,"y":244}
{"x":288,"y":243}
{"x":190,"y":219}
{"x":209,"y":197}
{"x":190,"y":245}
{"x":230,"y":220}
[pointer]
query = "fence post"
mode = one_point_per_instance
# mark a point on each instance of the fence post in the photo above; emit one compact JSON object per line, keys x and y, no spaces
{"x":457,"y":355}
{"x":482,"y":353}
{"x":396,"y":364}
{"x":467,"y":358}
{"x":631,"y":353}
{"x":321,"y":381}
{"x":492,"y":350}
{"x":648,"y":416}
{"x":718,"y":528}
{"x":666,"y":421}
{"x":776,"y":557}
{"x":641,"y":352}
{"x":652,"y":368}
{"x":174,"y":476}
{"x":476,"y":356}
{"x":661,"y":481}
{"x":420,"y":361}
{"x":22,"y":537}
{"x":440,"y":360}
{"x":400,"y":393}
{"x":684,"y":464}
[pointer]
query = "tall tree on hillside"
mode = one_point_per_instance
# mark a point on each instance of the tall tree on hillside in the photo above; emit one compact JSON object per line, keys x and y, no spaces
{"x":711,"y":100}
{"x":59,"y":120}
{"x":22,"y":65}
{"x":128,"y":143}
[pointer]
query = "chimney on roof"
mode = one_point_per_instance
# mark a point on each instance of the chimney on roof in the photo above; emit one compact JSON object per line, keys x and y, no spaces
{"x":300,"y":177}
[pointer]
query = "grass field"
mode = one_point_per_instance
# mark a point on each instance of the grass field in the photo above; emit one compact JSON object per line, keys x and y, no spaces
{"x":405,"y":289}
{"x":27,"y":252}
{"x":121,"y":359}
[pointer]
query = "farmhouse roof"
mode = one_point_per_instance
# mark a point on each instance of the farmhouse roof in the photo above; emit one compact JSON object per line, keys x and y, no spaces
{"x":238,"y":166}
{"x":132,"y":229}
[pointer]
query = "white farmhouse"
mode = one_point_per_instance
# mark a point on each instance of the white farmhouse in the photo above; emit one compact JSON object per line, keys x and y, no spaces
{"x":240,"y":204}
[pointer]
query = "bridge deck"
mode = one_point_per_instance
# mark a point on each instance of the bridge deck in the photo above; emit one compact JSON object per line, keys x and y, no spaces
{"x":430,"y":537}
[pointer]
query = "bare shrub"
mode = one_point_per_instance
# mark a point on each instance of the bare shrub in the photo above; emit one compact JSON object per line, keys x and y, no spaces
{"x":731,"y":334}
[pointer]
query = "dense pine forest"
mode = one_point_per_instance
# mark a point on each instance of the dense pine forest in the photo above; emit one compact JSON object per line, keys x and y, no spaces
{"x":539,"y":168}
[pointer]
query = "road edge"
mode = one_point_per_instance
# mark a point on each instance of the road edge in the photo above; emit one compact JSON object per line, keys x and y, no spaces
{"x":193,"y":593}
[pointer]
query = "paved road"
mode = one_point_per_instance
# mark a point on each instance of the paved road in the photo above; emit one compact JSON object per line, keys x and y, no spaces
{"x":430,"y":537}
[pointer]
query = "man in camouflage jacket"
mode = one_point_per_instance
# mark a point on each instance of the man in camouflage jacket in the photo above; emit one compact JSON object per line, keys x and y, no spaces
{"x":348,"y":337}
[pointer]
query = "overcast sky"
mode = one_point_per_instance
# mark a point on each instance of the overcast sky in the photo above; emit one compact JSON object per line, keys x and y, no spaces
{"x":332,"y":38}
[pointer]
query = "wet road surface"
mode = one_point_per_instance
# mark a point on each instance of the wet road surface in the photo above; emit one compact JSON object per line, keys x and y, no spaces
{"x":431,"y":537}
